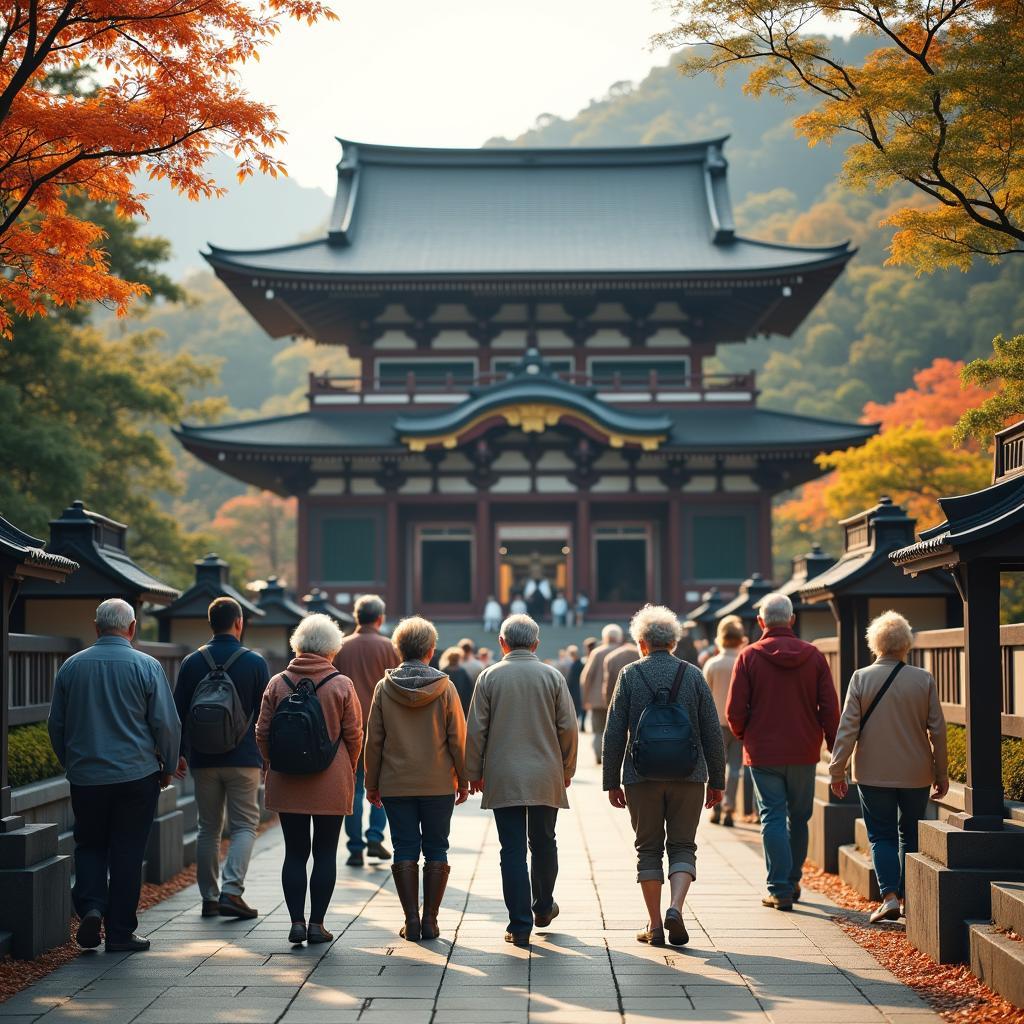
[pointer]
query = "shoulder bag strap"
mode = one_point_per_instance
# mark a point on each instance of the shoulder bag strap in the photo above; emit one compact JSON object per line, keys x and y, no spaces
{"x":291,"y":686}
{"x":677,"y":682}
{"x":234,"y":657}
{"x":881,"y":693}
{"x":205,"y":652}
{"x":646,"y":681}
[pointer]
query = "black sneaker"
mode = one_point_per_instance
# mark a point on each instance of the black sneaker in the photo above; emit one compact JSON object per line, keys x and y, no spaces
{"x":88,"y":935}
{"x":355,"y":860}
{"x":297,"y":934}
{"x":378,"y":851}
{"x":211,"y":908}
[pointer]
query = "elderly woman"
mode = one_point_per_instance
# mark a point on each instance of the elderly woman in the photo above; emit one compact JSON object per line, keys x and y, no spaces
{"x":415,"y":762}
{"x":658,"y":808}
{"x":892,"y":726}
{"x":315,"y":801}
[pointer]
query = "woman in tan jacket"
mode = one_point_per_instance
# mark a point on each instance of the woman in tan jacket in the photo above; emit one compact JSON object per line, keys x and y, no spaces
{"x":415,"y":763}
{"x":893,"y":718}
{"x":320,"y":800}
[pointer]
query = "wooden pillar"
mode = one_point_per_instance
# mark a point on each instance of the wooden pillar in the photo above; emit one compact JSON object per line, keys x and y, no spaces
{"x":983,"y":794}
{"x":674,"y":589}
{"x":582,"y":546}
{"x":484,"y":549}
{"x":6,"y":595}
{"x":846,"y":632}
{"x":393,"y":557}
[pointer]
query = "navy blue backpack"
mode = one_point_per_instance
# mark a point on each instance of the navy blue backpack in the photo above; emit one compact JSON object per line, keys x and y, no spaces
{"x":664,"y":748}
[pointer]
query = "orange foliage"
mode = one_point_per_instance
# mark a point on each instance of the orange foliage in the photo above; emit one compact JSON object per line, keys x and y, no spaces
{"x":936,"y":401}
{"x":94,"y":91}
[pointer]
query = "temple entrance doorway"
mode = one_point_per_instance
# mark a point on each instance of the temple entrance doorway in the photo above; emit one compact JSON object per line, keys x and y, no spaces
{"x":534,"y":563}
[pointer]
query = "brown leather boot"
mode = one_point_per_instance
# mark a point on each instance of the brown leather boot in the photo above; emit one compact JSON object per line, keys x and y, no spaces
{"x":407,"y":884}
{"x":435,"y":881}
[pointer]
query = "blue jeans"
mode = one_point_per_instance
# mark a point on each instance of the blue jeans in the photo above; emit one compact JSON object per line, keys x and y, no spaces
{"x":420,"y":823}
{"x":354,"y":821}
{"x":891,"y":816}
{"x":517,"y":827}
{"x":785,"y":798}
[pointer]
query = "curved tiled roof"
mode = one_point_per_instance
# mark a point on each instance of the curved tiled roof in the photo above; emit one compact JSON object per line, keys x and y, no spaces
{"x":24,"y":549}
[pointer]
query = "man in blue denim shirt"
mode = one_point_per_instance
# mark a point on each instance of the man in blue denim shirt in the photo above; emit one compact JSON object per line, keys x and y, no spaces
{"x":114,"y":728}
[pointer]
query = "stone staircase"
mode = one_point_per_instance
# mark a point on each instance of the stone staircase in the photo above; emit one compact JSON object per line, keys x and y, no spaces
{"x":855,"y":867}
{"x":996,"y":957}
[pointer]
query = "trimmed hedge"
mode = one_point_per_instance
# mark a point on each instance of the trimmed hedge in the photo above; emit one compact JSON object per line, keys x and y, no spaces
{"x":1013,"y":761}
{"x":30,"y":758}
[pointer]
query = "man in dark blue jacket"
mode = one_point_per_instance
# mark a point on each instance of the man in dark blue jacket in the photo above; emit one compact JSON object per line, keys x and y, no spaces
{"x":231,"y":779}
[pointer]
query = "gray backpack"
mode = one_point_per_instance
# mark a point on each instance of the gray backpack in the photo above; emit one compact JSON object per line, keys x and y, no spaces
{"x":217,"y":722}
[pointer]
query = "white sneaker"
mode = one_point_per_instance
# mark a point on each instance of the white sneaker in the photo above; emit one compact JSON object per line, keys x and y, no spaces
{"x":887,"y":910}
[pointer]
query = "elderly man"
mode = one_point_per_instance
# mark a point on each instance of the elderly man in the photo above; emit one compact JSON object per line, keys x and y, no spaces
{"x":470,"y":662}
{"x":614,"y":663}
{"x":781,"y":704}
{"x":592,"y":683}
{"x":114,"y":728}
{"x":364,"y":657}
{"x":521,"y":754}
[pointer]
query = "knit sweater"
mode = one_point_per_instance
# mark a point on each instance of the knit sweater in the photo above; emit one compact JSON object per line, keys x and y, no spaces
{"x":632,"y":695}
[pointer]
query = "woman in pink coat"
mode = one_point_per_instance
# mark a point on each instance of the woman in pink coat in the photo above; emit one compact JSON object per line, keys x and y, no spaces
{"x":312,"y":807}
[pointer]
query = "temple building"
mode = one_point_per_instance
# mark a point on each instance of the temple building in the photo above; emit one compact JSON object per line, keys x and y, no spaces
{"x":534,"y":410}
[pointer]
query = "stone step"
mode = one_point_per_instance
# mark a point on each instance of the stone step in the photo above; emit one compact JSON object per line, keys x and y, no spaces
{"x":958,"y":848}
{"x":860,"y":836}
{"x":1008,"y":906}
{"x":856,"y":870}
{"x":998,"y":961}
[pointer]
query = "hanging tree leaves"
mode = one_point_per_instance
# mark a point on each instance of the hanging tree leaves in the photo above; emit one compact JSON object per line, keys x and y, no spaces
{"x":94,"y":91}
{"x":939,"y":105}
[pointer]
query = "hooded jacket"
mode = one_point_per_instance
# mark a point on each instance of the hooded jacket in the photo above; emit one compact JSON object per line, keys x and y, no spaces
{"x":782,"y":701}
{"x":415,"y":734}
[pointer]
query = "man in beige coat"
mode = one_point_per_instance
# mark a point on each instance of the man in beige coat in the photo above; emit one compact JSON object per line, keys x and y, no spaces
{"x":592,"y":683}
{"x":521,"y":754}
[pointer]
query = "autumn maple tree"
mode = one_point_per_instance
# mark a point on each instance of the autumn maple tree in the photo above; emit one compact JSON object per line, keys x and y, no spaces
{"x":939,"y":105}
{"x":93,"y":92}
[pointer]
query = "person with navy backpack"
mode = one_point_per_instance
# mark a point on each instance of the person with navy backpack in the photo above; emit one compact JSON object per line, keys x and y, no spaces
{"x":310,"y":733}
{"x":218,"y":694}
{"x":664,"y":759}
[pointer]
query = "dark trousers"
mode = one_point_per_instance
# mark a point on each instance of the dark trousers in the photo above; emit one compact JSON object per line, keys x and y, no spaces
{"x":303,"y":834}
{"x":891,"y":816}
{"x":420,"y":823}
{"x":112,"y":826}
{"x":517,"y":827}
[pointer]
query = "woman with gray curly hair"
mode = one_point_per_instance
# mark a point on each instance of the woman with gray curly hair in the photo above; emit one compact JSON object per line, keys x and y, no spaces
{"x":660,"y":809}
{"x":896,"y":755}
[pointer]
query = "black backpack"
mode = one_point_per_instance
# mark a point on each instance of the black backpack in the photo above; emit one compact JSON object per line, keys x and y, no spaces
{"x":663,"y":748}
{"x":217,"y":722}
{"x":299,"y":741}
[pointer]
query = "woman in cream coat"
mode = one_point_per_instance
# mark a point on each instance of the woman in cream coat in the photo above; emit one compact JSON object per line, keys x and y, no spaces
{"x":897,"y":754}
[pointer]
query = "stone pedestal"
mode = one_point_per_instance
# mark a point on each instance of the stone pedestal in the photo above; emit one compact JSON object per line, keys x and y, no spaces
{"x":35,"y":888}
{"x":997,"y":959}
{"x":831,"y":825}
{"x":855,"y":867}
{"x":949,"y":883}
{"x":165,"y":850}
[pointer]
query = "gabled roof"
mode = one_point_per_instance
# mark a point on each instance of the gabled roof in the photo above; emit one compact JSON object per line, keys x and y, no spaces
{"x":99,"y":545}
{"x":745,"y":603}
{"x":24,"y":555}
{"x":212,"y":581}
{"x":654,"y":216}
{"x":640,"y":209}
{"x":711,"y":601}
{"x":278,"y":606}
{"x":318,"y":601}
{"x":805,"y":567}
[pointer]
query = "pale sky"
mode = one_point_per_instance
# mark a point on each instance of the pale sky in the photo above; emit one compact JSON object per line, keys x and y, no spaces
{"x":447,"y":73}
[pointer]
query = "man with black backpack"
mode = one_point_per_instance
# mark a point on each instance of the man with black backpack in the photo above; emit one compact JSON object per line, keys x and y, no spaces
{"x":218,"y":695}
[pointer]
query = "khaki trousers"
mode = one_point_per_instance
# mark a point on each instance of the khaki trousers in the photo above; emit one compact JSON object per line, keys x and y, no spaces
{"x":235,"y":790}
{"x":660,"y":810}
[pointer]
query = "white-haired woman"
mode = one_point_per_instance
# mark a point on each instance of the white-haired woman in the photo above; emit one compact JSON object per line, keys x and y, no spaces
{"x":313,"y":806}
{"x":660,"y":809}
{"x":892,"y":726}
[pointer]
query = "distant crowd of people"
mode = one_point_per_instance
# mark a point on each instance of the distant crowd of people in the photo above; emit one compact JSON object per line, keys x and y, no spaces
{"x":411,"y":731}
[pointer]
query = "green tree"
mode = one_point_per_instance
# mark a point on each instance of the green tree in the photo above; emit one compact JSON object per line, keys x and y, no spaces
{"x":1005,"y":368}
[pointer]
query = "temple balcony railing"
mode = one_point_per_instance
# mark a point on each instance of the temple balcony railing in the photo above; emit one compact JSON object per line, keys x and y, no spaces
{"x":941,"y":652}
{"x":660,"y":387}
{"x":33,"y":661}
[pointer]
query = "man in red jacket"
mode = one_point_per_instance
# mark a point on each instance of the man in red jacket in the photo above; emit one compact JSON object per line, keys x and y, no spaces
{"x":782,"y":704}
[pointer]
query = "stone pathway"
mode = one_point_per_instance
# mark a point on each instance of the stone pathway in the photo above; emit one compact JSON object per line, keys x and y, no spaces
{"x":744,"y":963}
